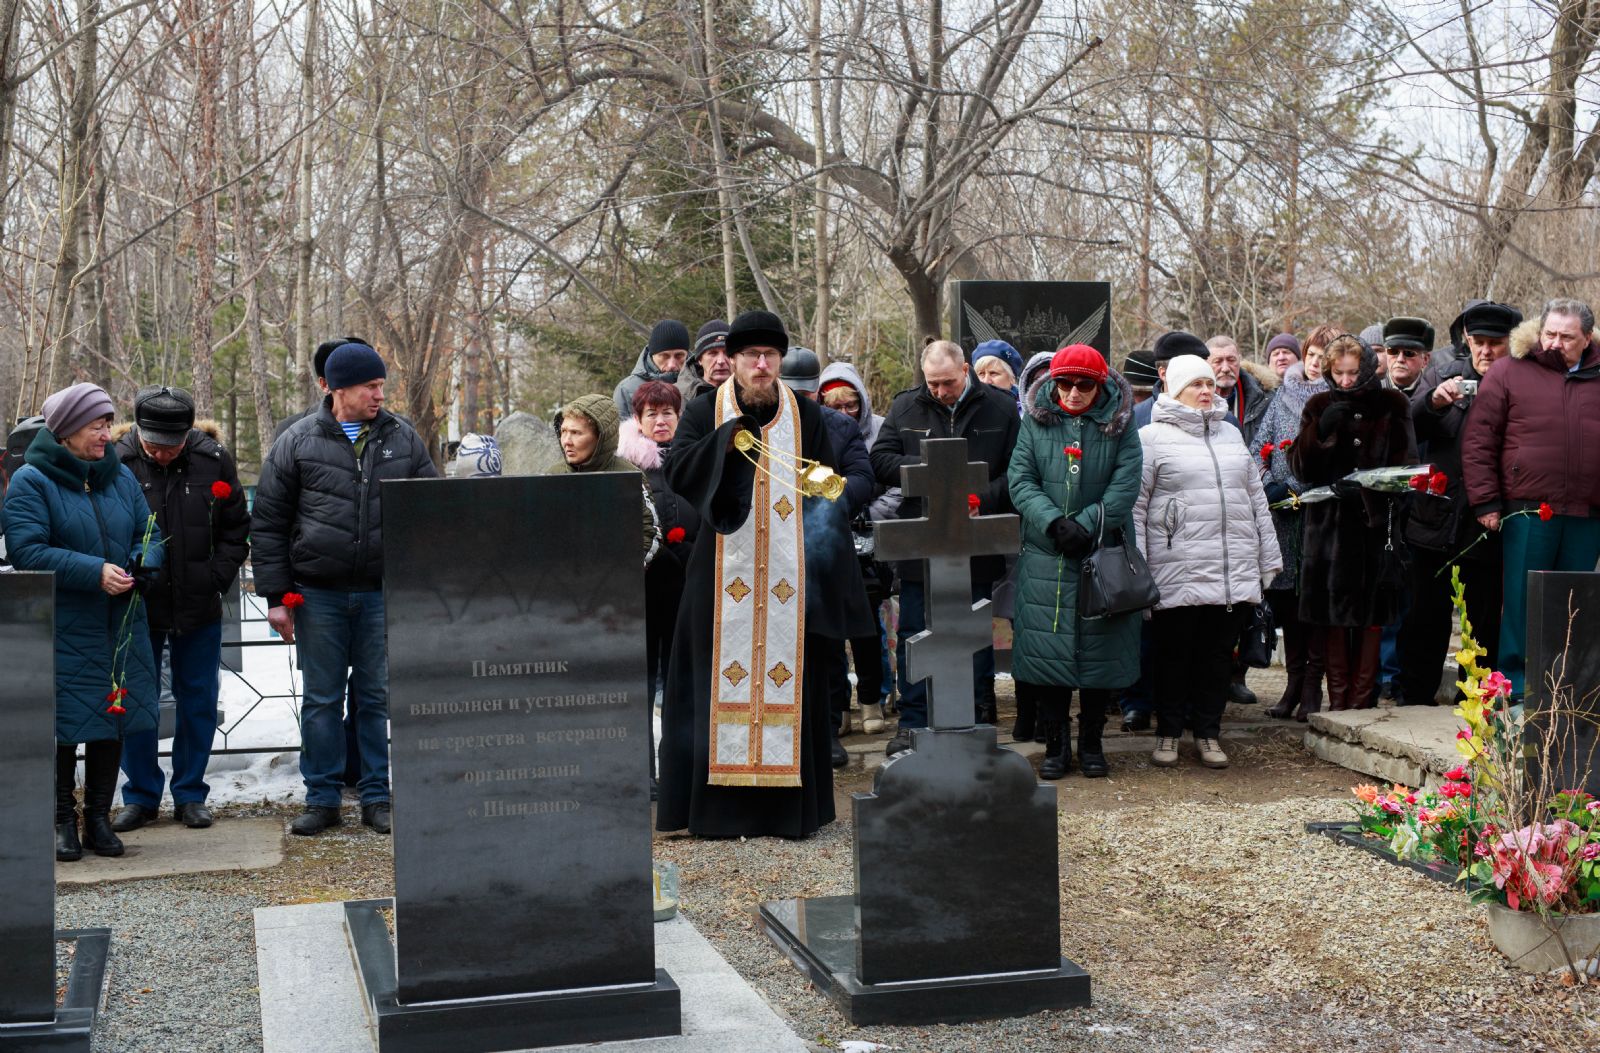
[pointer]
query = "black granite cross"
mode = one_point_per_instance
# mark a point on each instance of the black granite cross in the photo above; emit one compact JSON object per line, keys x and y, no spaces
{"x":946,"y":538}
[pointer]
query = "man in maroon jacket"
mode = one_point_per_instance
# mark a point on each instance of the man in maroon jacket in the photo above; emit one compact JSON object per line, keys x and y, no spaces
{"x":1528,"y":457}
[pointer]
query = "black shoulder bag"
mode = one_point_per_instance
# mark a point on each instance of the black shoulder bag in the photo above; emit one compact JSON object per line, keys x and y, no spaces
{"x":1114,"y":578}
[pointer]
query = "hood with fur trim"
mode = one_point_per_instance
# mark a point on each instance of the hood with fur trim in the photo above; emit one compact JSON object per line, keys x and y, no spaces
{"x":1113,"y":414}
{"x":206,"y":425}
{"x":1525,"y":344}
{"x":1266,"y":376}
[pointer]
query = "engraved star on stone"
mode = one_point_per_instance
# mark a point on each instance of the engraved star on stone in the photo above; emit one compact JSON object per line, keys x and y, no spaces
{"x":783,"y":590}
{"x":735,"y":673}
{"x":783,"y":508}
{"x":737,"y":589}
{"x":780,"y":675}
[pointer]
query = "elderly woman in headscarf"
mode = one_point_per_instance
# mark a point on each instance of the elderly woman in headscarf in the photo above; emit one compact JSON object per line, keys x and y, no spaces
{"x":1350,"y":573}
{"x":75,"y":509}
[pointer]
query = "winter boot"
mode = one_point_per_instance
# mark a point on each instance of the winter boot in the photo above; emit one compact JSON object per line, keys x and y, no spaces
{"x":1091,"y":757}
{"x":99,"y":787}
{"x":1364,"y":669}
{"x":68,"y":847}
{"x":1338,"y":670}
{"x":872,"y":718}
{"x":1292,"y":695}
{"x":1057,"y":754}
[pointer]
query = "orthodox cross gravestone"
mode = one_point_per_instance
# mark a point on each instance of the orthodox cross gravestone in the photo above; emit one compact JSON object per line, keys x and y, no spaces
{"x":1563,"y":625}
{"x":522,"y":913}
{"x":956,"y":911}
{"x":1031,"y":316}
{"x":30,"y":1018}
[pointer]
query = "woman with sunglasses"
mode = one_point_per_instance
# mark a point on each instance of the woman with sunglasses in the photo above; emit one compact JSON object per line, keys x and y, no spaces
{"x":1073,"y":478}
{"x":1203,"y":523}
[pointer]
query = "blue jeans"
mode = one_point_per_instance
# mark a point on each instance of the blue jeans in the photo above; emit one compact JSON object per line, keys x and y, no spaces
{"x":338,"y":632}
{"x":196,"y":681}
{"x":883,"y":658}
{"x":914,"y":619}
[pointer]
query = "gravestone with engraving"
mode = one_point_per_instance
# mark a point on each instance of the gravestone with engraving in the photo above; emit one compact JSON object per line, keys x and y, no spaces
{"x":30,"y":1018}
{"x":1563,"y":671}
{"x":956,"y":911}
{"x":522,"y":911}
{"x":1031,"y":316}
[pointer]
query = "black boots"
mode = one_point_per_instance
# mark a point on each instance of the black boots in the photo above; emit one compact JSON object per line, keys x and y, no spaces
{"x":1092,"y":705}
{"x":1057,"y":754}
{"x":1027,"y":716}
{"x":99,"y":787}
{"x":68,"y":847}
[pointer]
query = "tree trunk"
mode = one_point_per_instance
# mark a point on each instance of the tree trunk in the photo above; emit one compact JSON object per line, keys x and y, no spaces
{"x":730,"y":291}
{"x":820,"y":209}
{"x":60,"y":328}
{"x":203,"y":212}
{"x":303,"y":242}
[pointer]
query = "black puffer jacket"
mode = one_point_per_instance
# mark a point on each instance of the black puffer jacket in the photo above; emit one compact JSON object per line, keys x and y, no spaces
{"x":207,"y":536}
{"x":317,"y":519}
{"x":986,"y":417}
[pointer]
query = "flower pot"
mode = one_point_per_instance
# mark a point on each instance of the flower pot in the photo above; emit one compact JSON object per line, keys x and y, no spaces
{"x":1533,"y":942}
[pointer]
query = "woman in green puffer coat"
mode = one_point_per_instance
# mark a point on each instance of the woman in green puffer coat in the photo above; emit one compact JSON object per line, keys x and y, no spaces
{"x":1074,"y":477}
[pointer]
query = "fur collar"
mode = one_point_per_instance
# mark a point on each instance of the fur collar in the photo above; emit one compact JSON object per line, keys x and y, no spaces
{"x":632,"y":444}
{"x":208,"y":426}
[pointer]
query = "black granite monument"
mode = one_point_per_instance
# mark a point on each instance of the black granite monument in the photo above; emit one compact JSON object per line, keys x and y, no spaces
{"x":30,"y":1019}
{"x":1563,"y":609}
{"x":1031,"y":316}
{"x":956,"y":912}
{"x":523,"y":913}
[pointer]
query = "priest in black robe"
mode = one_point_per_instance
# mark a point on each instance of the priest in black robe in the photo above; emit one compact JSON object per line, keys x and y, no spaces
{"x":745,"y":734}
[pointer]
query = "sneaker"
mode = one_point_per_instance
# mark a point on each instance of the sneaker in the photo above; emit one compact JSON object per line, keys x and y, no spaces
{"x":132,"y":817}
{"x":1211,"y":754}
{"x":376,"y":815}
{"x":314,"y":820}
{"x":872,"y":718}
{"x":1166,"y":752}
{"x":900,"y":743}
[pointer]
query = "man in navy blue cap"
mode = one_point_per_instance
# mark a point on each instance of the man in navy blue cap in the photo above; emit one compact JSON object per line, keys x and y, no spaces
{"x":320,"y":490}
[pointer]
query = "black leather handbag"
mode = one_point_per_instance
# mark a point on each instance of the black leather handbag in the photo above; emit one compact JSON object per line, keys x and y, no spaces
{"x":1260,"y":638}
{"x":1114,"y":578}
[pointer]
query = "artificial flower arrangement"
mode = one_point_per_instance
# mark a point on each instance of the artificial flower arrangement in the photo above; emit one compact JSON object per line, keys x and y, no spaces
{"x":1513,"y":842}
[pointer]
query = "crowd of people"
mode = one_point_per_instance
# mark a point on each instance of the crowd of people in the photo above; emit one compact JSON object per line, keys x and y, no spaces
{"x":1193,"y":454}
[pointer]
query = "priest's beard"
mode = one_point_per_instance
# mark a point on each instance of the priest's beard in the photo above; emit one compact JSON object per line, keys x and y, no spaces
{"x":759,"y":398}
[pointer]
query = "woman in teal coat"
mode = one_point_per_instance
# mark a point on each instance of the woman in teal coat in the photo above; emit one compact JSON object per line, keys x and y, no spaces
{"x":1075,"y":473}
{"x":76,"y":510}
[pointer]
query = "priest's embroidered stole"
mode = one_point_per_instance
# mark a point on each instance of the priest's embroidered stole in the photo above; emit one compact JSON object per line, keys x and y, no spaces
{"x":759,"y":634}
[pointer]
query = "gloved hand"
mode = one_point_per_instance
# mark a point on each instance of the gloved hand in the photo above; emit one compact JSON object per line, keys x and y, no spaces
{"x":1332,"y":417}
{"x":145,"y":578}
{"x":1345,"y":488}
{"x":1266,"y":580}
{"x":1071,"y":540}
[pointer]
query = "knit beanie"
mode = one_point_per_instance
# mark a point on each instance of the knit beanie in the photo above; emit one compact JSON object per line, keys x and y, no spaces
{"x":669,"y":334}
{"x":757,"y":329}
{"x":1283,"y":340}
{"x":1078,"y":360}
{"x":1001,"y":350}
{"x":353,"y":364}
{"x":71,"y":408}
{"x":1185,"y":370}
{"x":1170,"y":345}
{"x":713,"y":334}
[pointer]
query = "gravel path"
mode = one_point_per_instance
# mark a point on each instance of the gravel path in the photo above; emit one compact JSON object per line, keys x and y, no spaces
{"x":1208,"y":919}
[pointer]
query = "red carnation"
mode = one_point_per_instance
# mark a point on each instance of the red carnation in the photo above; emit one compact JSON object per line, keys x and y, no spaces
{"x":1072,"y":451}
{"x":1285,"y":444}
{"x":1437,"y":483}
{"x":1546,"y":513}
{"x":972,"y":502}
{"x":292,"y":600}
{"x":1266,"y":451}
{"x":1419,"y":483}
{"x":675,"y":536}
{"x":221,"y":490}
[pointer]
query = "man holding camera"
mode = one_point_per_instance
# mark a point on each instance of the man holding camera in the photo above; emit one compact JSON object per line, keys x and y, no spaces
{"x":1441,"y":526}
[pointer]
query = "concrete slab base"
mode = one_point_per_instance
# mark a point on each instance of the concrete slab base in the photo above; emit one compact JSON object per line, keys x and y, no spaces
{"x":166,"y":848}
{"x":311,"y":999}
{"x":1413,"y":745}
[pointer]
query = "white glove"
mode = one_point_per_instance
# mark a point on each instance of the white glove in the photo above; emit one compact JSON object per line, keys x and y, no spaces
{"x":1266,"y":579}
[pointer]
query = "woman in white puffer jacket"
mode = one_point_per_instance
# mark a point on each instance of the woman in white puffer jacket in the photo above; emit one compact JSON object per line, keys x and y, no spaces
{"x":1204,"y":528}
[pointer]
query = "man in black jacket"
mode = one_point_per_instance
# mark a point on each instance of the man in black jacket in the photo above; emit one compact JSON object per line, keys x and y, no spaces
{"x":192,"y":486}
{"x":318,"y":543}
{"x":951,"y":404}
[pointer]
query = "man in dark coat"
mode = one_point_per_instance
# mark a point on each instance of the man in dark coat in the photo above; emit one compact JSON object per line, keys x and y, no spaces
{"x":951,"y":404}
{"x":1247,"y":398}
{"x":1440,"y":529}
{"x":192,"y":487}
{"x":317,"y":534}
{"x":1529,"y":443}
{"x":771,"y":587}
{"x":663,"y":357}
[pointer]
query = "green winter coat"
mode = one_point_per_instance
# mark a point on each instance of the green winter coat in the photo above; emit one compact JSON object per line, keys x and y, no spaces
{"x":1051,"y":645}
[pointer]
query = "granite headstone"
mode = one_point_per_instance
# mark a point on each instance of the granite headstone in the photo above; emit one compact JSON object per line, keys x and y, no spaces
{"x":29,"y":1017}
{"x":523,"y":913}
{"x":956,"y":911}
{"x":1563,"y":672}
{"x":1031,"y":316}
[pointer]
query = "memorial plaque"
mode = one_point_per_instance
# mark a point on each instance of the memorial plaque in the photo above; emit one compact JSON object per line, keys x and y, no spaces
{"x":30,"y":1019}
{"x":27,"y":778}
{"x":1031,"y":316}
{"x":1562,"y":607}
{"x":515,"y":618}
